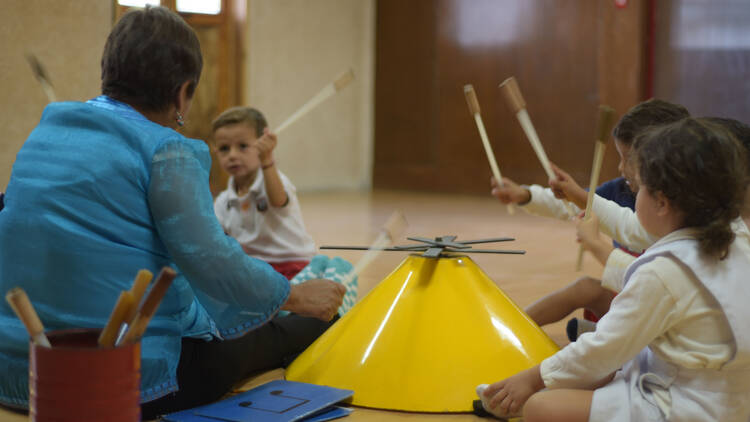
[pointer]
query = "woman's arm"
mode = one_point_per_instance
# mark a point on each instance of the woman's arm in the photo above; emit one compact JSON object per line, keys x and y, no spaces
{"x":239,"y":292}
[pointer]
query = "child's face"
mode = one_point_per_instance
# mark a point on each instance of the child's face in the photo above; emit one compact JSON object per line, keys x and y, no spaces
{"x":647,"y":210}
{"x":234,"y":146}
{"x":626,"y":167}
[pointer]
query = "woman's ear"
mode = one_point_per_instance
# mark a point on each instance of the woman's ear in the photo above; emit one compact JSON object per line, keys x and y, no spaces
{"x":183,"y":99}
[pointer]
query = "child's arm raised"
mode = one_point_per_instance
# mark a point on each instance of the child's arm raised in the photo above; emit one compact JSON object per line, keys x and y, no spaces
{"x":274,"y":186}
{"x":565,"y":187}
{"x":509,"y":192}
{"x":533,"y":199}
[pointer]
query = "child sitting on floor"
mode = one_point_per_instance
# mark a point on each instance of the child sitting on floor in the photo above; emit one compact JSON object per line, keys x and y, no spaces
{"x":587,"y":292}
{"x":259,"y":208}
{"x":616,"y":220}
{"x":680,"y":324}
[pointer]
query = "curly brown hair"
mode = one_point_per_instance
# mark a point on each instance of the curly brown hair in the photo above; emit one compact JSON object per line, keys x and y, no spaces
{"x":700,"y":168}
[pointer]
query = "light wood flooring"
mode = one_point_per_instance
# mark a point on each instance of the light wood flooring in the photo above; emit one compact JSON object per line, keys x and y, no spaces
{"x":355,"y":218}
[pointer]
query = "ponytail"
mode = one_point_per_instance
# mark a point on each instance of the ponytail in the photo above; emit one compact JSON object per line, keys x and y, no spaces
{"x":700,"y":168}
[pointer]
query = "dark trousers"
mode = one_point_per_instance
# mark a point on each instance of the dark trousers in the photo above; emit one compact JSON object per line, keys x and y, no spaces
{"x":210,"y":369}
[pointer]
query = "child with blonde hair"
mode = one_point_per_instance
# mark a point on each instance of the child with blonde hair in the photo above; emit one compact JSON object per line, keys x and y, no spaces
{"x":260,"y":208}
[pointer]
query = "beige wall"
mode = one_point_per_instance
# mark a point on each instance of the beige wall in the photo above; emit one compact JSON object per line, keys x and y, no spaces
{"x":68,"y":38}
{"x":294,"y":48}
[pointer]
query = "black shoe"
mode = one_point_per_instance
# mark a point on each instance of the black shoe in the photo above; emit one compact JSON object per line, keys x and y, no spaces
{"x":572,"y":329}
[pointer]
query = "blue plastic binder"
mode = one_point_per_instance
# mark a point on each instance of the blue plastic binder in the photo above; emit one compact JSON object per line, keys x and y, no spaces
{"x":276,"y":401}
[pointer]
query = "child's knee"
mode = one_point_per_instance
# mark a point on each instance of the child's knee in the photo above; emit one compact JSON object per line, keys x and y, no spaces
{"x":535,"y":409}
{"x":587,"y":284}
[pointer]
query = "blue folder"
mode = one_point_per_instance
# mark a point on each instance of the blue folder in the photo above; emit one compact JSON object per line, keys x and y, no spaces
{"x":276,"y":401}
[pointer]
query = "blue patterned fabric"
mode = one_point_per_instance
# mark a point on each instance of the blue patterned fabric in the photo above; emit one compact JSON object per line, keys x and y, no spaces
{"x":98,"y":192}
{"x":336,"y":269}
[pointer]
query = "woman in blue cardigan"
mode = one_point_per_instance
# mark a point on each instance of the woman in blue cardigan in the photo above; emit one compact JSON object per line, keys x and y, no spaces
{"x":104,"y":188}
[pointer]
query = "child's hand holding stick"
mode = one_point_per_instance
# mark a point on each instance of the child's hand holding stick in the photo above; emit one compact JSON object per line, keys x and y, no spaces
{"x":603,"y":127}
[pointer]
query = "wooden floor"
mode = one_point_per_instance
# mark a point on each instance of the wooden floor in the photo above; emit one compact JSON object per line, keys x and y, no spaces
{"x":355,"y":218}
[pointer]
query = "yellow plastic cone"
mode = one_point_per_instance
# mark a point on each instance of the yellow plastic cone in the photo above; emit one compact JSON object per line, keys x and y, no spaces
{"x":424,"y":338}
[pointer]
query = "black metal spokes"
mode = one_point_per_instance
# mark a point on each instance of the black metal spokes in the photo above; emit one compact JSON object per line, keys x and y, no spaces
{"x":440,"y":246}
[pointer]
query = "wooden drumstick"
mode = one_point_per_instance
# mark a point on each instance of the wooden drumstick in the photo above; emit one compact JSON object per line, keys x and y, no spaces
{"x":125,"y":304}
{"x":41,"y":76}
{"x":328,"y":91}
{"x":149,"y":306}
{"x":19,"y":302}
{"x":393,"y":229}
{"x":512,"y":94}
{"x":471,"y":100}
{"x":603,"y":128}
{"x":139,"y":287}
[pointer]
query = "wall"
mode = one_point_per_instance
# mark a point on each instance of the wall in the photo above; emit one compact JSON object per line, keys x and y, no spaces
{"x":293,"y":49}
{"x":702,"y":56}
{"x":68,"y":38}
{"x":568,"y":57}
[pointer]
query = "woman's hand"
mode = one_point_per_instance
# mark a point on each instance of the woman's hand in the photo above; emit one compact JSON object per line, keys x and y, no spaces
{"x":509,"y":192}
{"x":509,"y":395}
{"x":317,"y":298}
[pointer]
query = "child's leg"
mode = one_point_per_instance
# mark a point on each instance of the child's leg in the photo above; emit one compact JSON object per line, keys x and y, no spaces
{"x":558,"y":405}
{"x":586,"y":292}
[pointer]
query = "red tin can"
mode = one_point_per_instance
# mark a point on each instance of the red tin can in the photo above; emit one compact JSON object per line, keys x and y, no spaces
{"x":76,"y":380}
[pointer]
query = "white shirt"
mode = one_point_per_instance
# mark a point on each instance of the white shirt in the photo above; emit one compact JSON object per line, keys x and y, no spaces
{"x":544,"y":203}
{"x":273,"y":234}
{"x":622,"y":224}
{"x":662,"y":306}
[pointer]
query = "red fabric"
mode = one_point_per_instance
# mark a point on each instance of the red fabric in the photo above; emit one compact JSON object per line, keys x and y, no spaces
{"x":592,"y":316}
{"x":289,"y":268}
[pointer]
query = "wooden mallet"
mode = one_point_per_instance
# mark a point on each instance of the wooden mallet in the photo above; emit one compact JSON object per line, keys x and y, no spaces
{"x":24,"y":310}
{"x":512,"y":94}
{"x":328,"y":91}
{"x":41,"y":76}
{"x":149,"y":306}
{"x":603,"y":127}
{"x":393,"y":229}
{"x":471,"y":100}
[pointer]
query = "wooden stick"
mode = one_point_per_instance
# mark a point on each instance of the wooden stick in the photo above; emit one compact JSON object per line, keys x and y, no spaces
{"x":149,"y":306}
{"x":471,"y":100}
{"x":603,"y":127}
{"x":124,"y":305}
{"x":512,"y":94}
{"x":24,"y":310}
{"x":328,"y":91}
{"x":393,"y":229}
{"x":139,"y":287}
{"x":41,"y":76}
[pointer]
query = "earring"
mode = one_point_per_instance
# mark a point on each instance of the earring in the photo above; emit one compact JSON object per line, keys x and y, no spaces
{"x":180,"y":120}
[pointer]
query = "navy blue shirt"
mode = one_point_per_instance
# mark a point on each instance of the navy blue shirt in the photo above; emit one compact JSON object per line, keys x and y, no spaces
{"x":617,"y":190}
